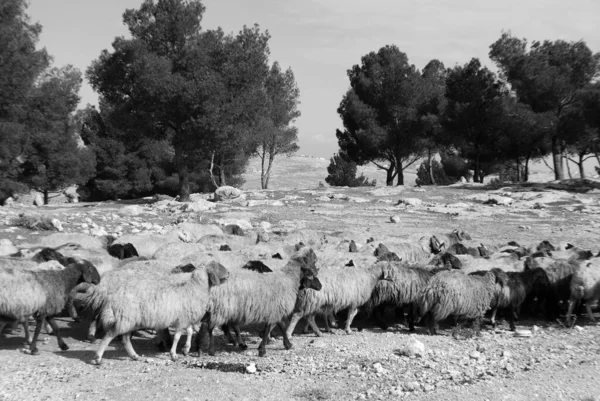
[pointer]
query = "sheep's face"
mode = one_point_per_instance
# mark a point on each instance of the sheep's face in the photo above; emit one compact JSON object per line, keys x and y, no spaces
{"x":387,"y":273}
{"x":309,"y":280}
{"x":89,"y":273}
{"x":435,"y":245}
{"x":219,"y":269}
{"x":306,"y":257}
{"x":546,"y":246}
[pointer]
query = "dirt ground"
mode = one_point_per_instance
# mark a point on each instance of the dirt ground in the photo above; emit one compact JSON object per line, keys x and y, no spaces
{"x":556,"y":363}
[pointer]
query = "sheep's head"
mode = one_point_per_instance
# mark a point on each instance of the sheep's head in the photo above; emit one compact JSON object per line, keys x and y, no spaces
{"x":216,"y":272}
{"x":309,"y":280}
{"x":435,"y":245}
{"x":387,"y":272}
{"x":47,"y":254}
{"x":483,"y":251}
{"x":463,"y":236}
{"x":450,"y":261}
{"x":545,"y":246}
{"x":89,"y":273}
{"x":306,"y":257}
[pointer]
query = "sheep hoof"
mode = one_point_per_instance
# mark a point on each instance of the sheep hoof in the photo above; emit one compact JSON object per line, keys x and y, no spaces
{"x":288,"y":346}
{"x":96,"y":361}
{"x":135,"y":357}
{"x":185,"y":352}
{"x":35,"y":351}
{"x":262,"y":352}
{"x":348,"y":331}
{"x":211,"y":352}
{"x":64,"y":347}
{"x":174,"y":357}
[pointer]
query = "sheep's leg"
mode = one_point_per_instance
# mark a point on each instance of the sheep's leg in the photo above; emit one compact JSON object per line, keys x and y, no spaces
{"x":189,"y":331}
{"x":129,"y":347}
{"x":262,"y":351}
{"x":61,"y":343}
{"x":48,"y":328}
{"x":313,"y":325}
{"x":38,"y":329}
{"x":493,"y":317}
{"x":176,"y":338}
{"x":332,"y":321}
{"x":326,"y":322}
{"x":286,"y":340}
{"x":588,"y":307}
{"x":477,"y":325}
{"x":431,"y":324}
{"x":293,"y":322}
{"x":25,"y":325}
{"x":211,"y":341}
{"x":226,"y":328}
{"x":108,"y":337}
{"x":238,"y":336}
{"x":351,"y":314}
{"x":511,"y":319}
{"x":2,"y":325}
{"x":202,"y":340}
{"x":572,"y":303}
{"x":411,"y":317}
{"x":378,"y":314}
{"x":306,"y":326}
{"x":91,"y":335}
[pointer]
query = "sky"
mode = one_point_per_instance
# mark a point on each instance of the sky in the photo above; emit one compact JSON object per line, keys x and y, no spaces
{"x":321,"y":39}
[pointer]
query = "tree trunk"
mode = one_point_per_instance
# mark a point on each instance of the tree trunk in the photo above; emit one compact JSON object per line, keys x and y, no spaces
{"x":566,"y":159}
{"x":46,"y":197}
{"x":264,"y":181}
{"x":430,"y":161}
{"x":526,"y":172}
{"x":400,"y":173}
{"x":581,"y":169}
{"x":518,"y":169}
{"x":182,"y":172}
{"x":389,"y":179}
{"x":557,"y":159}
{"x":476,"y":169}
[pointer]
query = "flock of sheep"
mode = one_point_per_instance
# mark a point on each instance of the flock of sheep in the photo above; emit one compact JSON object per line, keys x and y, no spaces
{"x":233,"y":278}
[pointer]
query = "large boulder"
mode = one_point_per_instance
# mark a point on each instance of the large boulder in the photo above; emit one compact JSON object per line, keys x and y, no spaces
{"x":226,"y":193}
{"x":7,"y":248}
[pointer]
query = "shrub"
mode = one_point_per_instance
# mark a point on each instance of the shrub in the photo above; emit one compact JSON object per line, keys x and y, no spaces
{"x":342,"y":173}
{"x":439,"y":175}
{"x":454,"y":166}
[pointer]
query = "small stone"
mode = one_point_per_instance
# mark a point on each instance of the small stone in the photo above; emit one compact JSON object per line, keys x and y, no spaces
{"x":428,"y":387}
{"x":413,"y":347}
{"x":475,"y":355}
{"x":578,"y":328}
{"x":395,"y":219}
{"x":251,"y":368}
{"x":318,"y":343}
{"x":506,"y":354}
{"x":412,"y":386}
{"x":481,"y":348}
{"x":378,"y":368}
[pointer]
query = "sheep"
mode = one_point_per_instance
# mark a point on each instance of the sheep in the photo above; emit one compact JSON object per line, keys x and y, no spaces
{"x":469,"y":264}
{"x":249,"y":297}
{"x":42,"y":293}
{"x":458,"y":294}
{"x":404,"y":289}
{"x":585,"y":286}
{"x":444,"y":241}
{"x":560,"y":272}
{"x":128,"y":301}
{"x":342,"y":289}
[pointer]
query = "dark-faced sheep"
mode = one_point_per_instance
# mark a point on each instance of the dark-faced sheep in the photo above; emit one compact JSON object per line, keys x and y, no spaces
{"x":253,"y":298}
{"x":457,"y":294}
{"x":42,"y":293}
{"x":136,"y":302}
{"x":347,"y":288}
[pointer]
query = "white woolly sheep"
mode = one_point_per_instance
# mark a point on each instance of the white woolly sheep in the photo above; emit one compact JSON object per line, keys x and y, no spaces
{"x":457,"y":294}
{"x":127,"y":301}
{"x":349,"y":288}
{"x":248,"y":297}
{"x":43,"y":294}
{"x":405,"y":288}
{"x":585,"y":286}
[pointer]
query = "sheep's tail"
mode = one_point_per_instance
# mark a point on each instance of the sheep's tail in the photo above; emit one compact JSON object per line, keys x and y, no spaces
{"x":86,"y":300}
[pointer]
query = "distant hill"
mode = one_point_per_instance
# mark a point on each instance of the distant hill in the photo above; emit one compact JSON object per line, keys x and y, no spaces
{"x":306,"y":172}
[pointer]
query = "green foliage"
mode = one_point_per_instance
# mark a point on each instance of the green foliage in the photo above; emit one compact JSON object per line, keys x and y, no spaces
{"x":471,"y":116}
{"x":454,"y":166}
{"x":547,"y":76}
{"x":342,"y":173}
{"x":200,"y":91}
{"x":439,"y":175}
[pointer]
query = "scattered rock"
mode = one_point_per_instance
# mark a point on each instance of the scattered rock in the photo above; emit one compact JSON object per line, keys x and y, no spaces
{"x":410,"y":202}
{"x":131,"y":210}
{"x":227,"y":193}
{"x":395,"y":219}
{"x":38,"y":200}
{"x":413,"y":347}
{"x":251,"y":368}
{"x":353,"y":248}
{"x":7,"y":248}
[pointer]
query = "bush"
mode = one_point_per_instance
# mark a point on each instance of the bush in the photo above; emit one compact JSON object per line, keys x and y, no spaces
{"x":454,"y":166}
{"x":439,"y":175}
{"x":342,"y":173}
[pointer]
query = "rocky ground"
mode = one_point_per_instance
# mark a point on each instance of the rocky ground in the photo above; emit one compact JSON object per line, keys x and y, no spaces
{"x":554,"y":363}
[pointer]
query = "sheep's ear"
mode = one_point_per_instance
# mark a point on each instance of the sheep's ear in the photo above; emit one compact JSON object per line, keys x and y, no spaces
{"x":434,"y":244}
{"x":213,"y":278}
{"x":455,"y":262}
{"x":89,"y":272}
